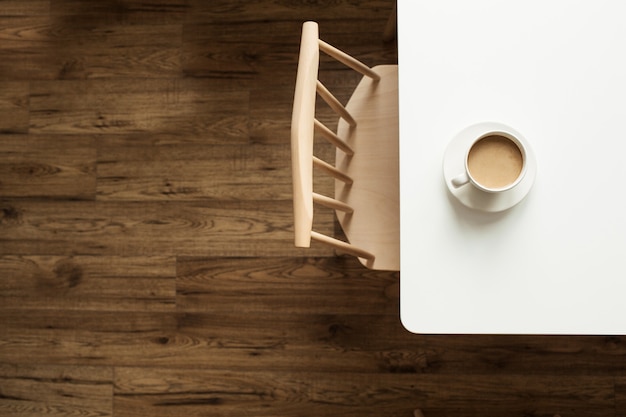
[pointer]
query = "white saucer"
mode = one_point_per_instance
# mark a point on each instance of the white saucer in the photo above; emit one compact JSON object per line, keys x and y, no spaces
{"x":472,"y":197}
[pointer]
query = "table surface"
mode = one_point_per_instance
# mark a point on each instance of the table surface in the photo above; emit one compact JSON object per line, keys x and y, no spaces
{"x":554,"y":70}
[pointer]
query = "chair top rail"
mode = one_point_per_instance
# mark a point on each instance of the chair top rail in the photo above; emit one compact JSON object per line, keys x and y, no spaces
{"x":302,"y":134}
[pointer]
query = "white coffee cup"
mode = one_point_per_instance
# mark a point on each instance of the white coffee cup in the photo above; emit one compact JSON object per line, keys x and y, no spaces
{"x":495,"y":162}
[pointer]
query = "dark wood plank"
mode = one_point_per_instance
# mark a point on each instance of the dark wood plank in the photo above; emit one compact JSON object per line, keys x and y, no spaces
{"x":207,"y":228}
{"x":264,"y":340}
{"x":253,"y":284}
{"x":193,"y":172}
{"x":237,"y":11}
{"x":55,"y":391}
{"x":48,"y":166}
{"x":14,"y":106}
{"x":181,"y":107}
{"x":153,"y":11}
{"x":221,"y":340}
{"x":251,"y":51}
{"x":620,"y":396}
{"x":567,"y":356}
{"x":268,"y":53}
{"x":114,"y":50}
{"x":24,"y":7}
{"x":228,"y":341}
{"x":25,"y":52}
{"x":268,"y":107}
{"x":88,"y":283}
{"x":226,"y":393}
{"x":88,"y":46}
{"x":136,"y":168}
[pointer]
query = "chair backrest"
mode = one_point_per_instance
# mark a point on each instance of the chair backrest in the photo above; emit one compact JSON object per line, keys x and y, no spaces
{"x":304,"y":125}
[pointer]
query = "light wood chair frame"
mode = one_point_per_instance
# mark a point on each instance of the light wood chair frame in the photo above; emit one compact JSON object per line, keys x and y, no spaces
{"x":303,"y":128}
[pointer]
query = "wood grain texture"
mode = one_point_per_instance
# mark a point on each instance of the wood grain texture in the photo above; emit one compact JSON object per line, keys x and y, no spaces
{"x":138,"y":169}
{"x":182,"y":107}
{"x":253,"y":48}
{"x":14,"y":107}
{"x":228,"y":172}
{"x":236,"y":11}
{"x":264,"y":54}
{"x":48,"y":166}
{"x":88,"y":46}
{"x":374,"y":105}
{"x":24,"y":7}
{"x":620,"y":396}
{"x":249,"y":286}
{"x":207,"y":228}
{"x":55,"y":391}
{"x":88,"y":283}
{"x":224,"y":341}
{"x":155,"y":11}
{"x":169,"y":393}
{"x":24,"y":50}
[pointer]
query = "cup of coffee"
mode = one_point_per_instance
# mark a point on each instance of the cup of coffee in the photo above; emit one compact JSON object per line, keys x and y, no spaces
{"x":495,"y":162}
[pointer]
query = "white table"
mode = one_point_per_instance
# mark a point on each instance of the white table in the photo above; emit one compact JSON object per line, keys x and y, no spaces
{"x":555,"y":70}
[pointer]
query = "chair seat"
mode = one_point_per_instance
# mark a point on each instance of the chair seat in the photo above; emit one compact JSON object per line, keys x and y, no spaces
{"x":375,"y":193}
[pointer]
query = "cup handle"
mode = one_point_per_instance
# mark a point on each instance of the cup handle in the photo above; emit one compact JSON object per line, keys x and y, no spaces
{"x":460,"y":180}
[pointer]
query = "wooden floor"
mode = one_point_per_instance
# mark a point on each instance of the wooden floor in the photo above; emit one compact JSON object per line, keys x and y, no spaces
{"x":146,"y":257}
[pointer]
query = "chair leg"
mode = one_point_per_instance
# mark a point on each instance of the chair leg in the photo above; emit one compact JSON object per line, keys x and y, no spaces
{"x":391,"y":28}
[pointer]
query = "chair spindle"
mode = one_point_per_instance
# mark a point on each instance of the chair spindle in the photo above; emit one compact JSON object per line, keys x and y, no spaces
{"x":332,"y":137}
{"x":331,"y":203}
{"x":332,"y":171}
{"x":334,"y":104}
{"x":347,"y":60}
{"x":343,"y":246}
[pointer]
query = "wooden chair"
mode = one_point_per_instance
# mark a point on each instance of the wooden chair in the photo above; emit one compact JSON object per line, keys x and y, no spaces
{"x":366,"y":198}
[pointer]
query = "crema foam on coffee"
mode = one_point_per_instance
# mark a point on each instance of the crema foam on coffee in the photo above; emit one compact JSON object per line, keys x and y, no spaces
{"x":495,"y":161}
